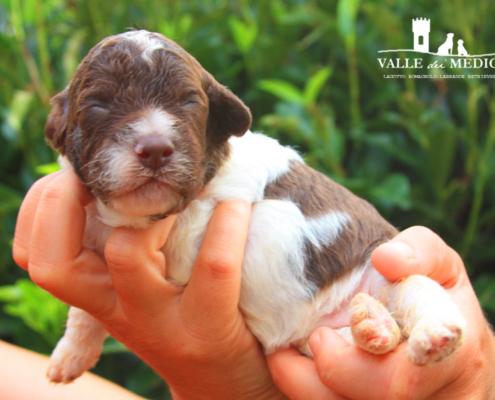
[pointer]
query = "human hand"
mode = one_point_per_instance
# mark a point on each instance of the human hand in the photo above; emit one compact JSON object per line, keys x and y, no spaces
{"x":193,"y":336}
{"x":341,"y":371}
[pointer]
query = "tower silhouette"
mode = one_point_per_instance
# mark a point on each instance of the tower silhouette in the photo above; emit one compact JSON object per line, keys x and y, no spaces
{"x":421,"y":29}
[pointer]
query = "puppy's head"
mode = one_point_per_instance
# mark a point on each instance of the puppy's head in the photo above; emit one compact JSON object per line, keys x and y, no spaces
{"x":144,"y":125}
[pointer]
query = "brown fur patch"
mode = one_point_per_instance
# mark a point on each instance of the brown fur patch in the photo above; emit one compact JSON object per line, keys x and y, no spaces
{"x":317,"y":195}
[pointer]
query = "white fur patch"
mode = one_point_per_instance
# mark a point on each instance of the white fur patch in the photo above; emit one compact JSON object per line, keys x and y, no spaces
{"x":327,"y":227}
{"x":256,"y":160}
{"x":146,"y":41}
{"x":156,"y":122}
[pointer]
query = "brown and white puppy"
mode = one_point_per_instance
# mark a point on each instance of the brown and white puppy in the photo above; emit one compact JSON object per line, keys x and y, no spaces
{"x":152,"y":133}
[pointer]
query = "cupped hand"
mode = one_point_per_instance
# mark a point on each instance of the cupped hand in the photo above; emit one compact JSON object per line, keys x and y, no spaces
{"x":341,"y":371}
{"x":193,"y":336}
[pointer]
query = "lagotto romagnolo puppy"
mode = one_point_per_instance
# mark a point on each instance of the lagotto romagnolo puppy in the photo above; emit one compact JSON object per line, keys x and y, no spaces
{"x":151,"y":133}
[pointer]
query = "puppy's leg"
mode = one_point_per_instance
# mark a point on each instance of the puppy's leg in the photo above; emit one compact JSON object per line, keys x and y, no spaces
{"x":428,"y":317}
{"x":79,"y":349}
{"x":373,"y":328}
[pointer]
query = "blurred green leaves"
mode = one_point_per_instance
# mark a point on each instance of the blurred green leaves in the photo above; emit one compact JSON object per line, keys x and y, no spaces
{"x":291,"y":94}
{"x":39,"y":310}
{"x":15,"y":114}
{"x":394,"y":191}
{"x":283,"y":90}
{"x":47,"y":169}
{"x":244,"y":33}
{"x":347,"y":11}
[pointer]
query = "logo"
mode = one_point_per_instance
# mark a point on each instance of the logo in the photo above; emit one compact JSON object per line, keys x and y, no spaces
{"x":451,"y":54}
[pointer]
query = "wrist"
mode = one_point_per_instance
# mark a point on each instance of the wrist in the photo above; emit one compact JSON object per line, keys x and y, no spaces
{"x":240,"y":381}
{"x":223,"y":393}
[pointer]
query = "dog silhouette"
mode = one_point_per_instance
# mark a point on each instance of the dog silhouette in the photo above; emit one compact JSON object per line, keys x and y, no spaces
{"x":460,"y":48}
{"x":446,"y":48}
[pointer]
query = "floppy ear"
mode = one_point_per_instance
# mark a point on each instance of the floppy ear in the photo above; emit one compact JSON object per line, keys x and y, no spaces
{"x":56,"y":124}
{"x":228,"y":115}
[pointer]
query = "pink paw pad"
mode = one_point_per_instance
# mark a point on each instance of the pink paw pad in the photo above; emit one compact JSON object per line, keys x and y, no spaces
{"x":431,"y":342}
{"x":373,"y":328}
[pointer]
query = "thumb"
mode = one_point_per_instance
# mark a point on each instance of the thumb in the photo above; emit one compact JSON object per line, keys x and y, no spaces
{"x":418,"y":250}
{"x":137,"y":266}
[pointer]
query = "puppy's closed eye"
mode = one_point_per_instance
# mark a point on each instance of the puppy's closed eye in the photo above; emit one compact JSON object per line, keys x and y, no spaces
{"x":192,"y":99}
{"x":97,"y":109}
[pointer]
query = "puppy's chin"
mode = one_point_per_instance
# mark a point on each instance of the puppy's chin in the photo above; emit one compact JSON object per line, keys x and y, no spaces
{"x":152,"y":198}
{"x":140,"y":206}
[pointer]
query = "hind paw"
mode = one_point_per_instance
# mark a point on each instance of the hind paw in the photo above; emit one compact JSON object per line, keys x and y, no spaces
{"x":373,"y":328}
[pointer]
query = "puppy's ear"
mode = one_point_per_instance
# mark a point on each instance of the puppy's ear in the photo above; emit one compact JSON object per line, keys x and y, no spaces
{"x":228,"y":114}
{"x":56,"y":124}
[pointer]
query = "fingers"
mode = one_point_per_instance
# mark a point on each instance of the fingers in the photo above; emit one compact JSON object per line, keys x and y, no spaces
{"x":58,"y":262}
{"x":418,"y":250}
{"x":137,"y":266}
{"x":212,"y":294}
{"x":60,"y":215}
{"x":297,"y":377}
{"x":357,"y":374}
{"x":25,"y":219}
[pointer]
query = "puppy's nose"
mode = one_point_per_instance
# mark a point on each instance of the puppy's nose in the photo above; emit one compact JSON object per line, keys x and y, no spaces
{"x":154,"y":151}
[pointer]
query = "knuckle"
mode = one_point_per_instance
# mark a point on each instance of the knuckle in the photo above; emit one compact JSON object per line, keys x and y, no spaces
{"x":38,"y":187}
{"x":52,"y":192}
{"x":220,"y":265}
{"x":42,"y":276}
{"x":190,"y":351}
{"x":119,"y":253}
{"x":20,"y":255}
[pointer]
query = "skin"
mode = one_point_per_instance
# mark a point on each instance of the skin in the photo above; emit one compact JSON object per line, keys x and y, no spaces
{"x":341,"y":371}
{"x":195,"y":336}
{"x":22,"y":378}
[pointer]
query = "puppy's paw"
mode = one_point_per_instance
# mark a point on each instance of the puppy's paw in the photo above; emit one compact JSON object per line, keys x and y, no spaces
{"x":373,"y":328}
{"x":432,"y":341}
{"x":69,"y":361}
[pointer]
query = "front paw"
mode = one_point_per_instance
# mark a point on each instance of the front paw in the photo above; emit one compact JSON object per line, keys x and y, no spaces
{"x":69,"y":361}
{"x":432,"y":341}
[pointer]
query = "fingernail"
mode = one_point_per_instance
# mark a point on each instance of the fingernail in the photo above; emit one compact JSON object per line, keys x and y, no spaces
{"x":314,"y":342}
{"x":401,"y":249}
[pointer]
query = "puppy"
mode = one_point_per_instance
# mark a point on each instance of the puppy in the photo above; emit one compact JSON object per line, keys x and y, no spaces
{"x":461,"y":49}
{"x":446,"y":48}
{"x":151,"y":133}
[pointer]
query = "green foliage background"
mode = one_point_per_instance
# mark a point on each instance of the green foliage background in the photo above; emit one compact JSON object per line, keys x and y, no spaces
{"x":421,"y":150}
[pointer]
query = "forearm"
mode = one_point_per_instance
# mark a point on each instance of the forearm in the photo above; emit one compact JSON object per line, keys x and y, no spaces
{"x":22,"y":377}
